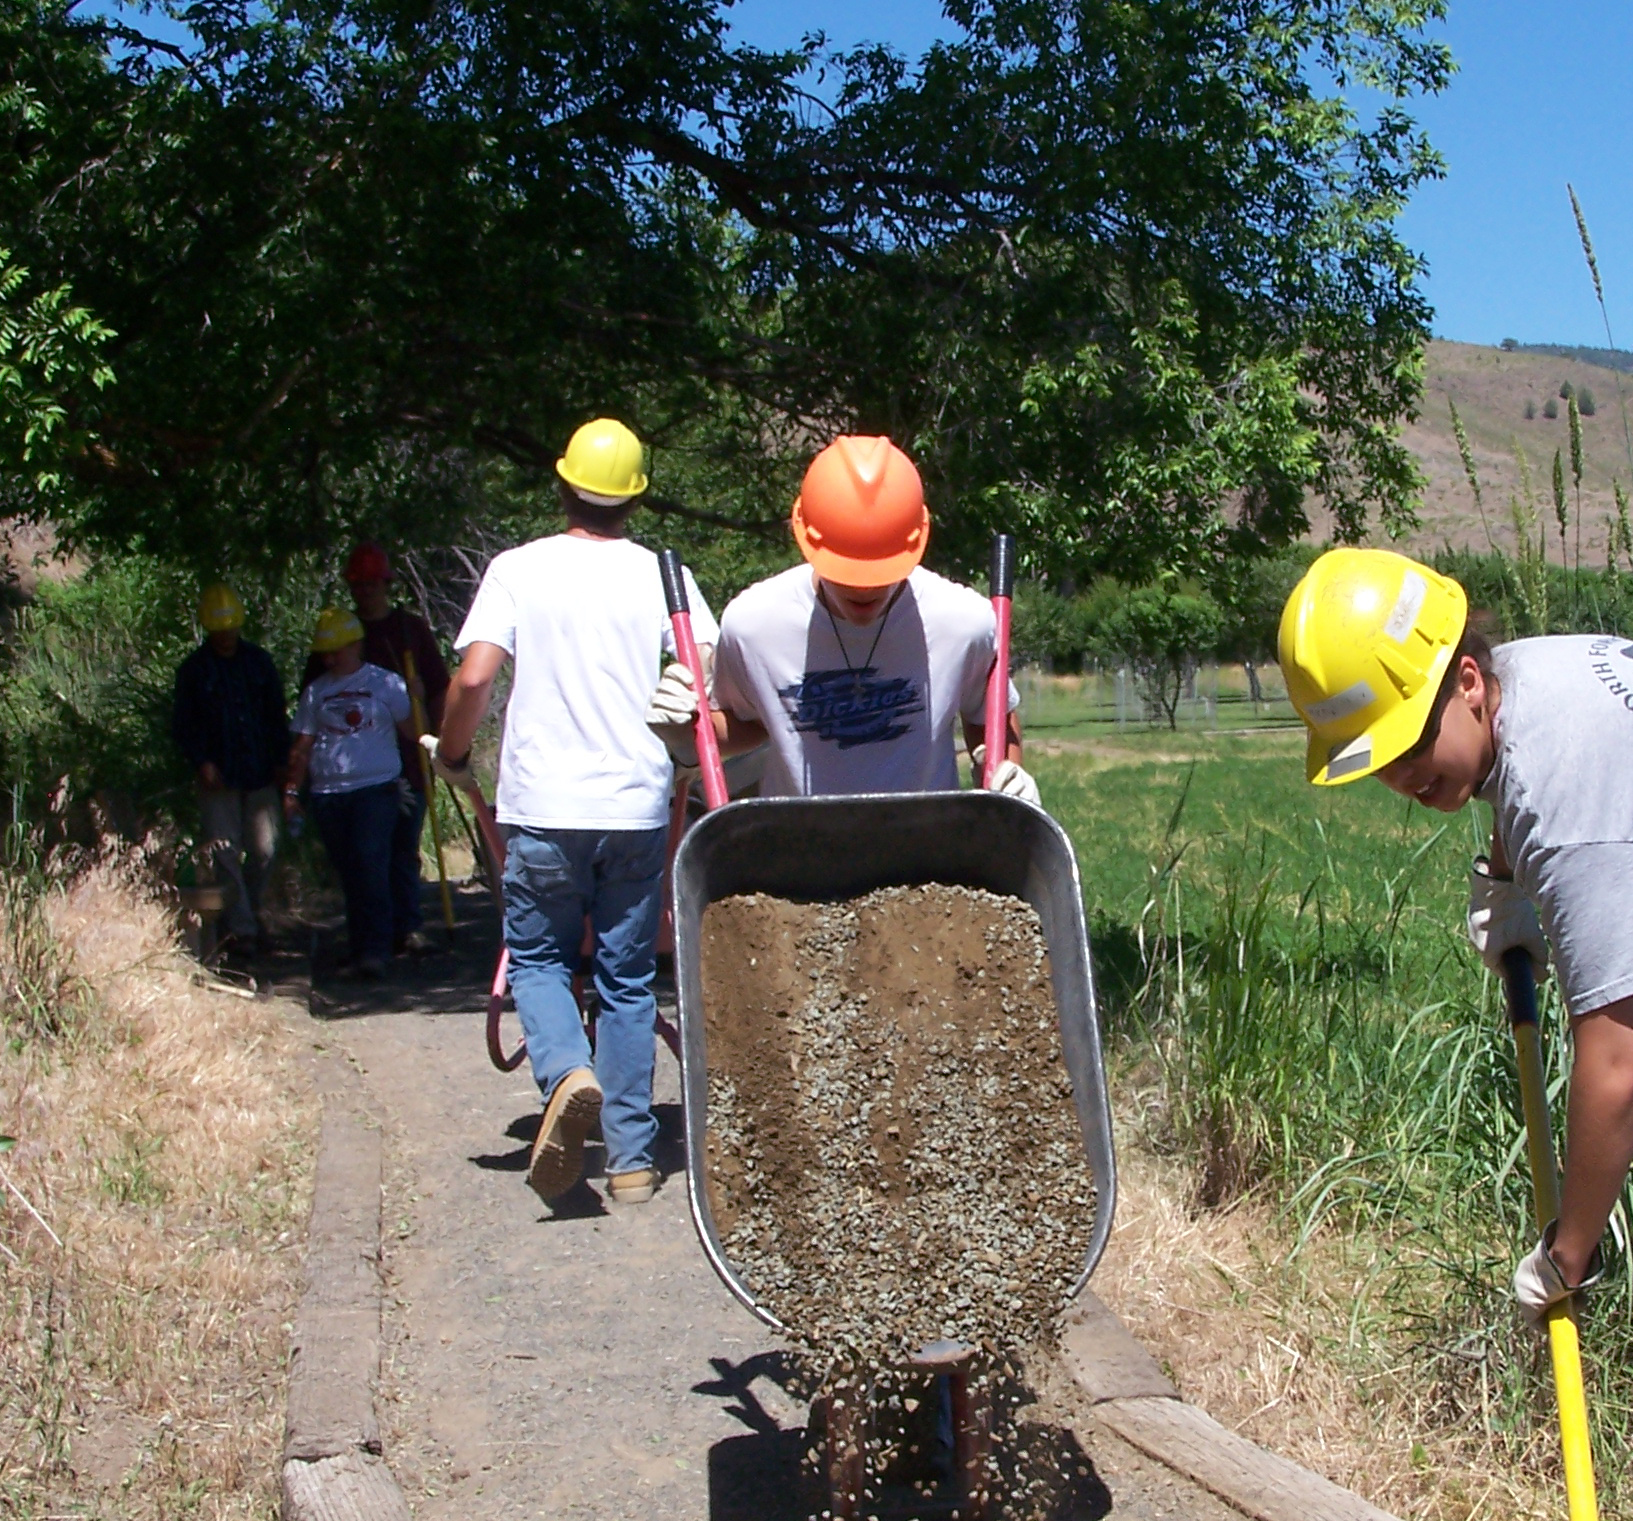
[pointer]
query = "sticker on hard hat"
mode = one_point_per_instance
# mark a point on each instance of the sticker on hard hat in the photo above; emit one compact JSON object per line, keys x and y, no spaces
{"x":1407,"y":606}
{"x":1348,"y":758}
{"x":1341,"y":704}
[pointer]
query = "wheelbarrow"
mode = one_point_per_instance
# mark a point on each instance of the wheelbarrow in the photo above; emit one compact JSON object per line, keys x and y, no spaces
{"x":835,"y":848}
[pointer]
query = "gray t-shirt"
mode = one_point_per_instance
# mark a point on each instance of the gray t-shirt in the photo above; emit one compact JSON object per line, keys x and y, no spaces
{"x":1562,"y":791}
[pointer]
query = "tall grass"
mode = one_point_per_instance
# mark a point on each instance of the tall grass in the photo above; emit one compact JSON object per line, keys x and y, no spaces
{"x":1293,"y":966}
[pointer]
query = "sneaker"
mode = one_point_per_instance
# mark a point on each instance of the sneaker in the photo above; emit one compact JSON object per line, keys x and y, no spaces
{"x":414,"y":943}
{"x":368,"y":969}
{"x":632,"y":1187}
{"x":558,"y":1154}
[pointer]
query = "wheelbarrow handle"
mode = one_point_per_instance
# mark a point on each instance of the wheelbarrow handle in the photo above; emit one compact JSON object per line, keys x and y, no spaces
{"x":680,"y":617}
{"x":1002,"y":587}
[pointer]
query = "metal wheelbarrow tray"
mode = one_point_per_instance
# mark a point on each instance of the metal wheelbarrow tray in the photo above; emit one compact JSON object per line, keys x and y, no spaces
{"x":832,"y":848}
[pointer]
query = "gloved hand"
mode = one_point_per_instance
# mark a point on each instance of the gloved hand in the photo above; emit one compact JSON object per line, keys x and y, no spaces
{"x":1500,"y":918}
{"x":1009,"y":778}
{"x":456,"y":776}
{"x":1538,"y":1283}
{"x":674,"y":699}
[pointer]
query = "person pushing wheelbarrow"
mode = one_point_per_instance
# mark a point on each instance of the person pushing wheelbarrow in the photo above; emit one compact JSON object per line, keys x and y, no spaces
{"x":583,"y":799}
{"x":1392,"y":681}
{"x":858,"y":667}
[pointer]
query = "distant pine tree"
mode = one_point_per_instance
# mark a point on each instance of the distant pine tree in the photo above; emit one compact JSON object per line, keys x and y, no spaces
{"x":1550,"y":409}
{"x":1566,"y":391}
{"x":1530,"y":410}
{"x":1585,"y":404}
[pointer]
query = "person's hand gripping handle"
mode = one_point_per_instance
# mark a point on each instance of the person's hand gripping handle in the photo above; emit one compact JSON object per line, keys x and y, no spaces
{"x":1519,"y":986}
{"x":1003,"y":591}
{"x":680,"y":616}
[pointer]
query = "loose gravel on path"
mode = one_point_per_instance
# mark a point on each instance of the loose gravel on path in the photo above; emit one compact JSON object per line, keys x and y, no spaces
{"x":582,"y":1361}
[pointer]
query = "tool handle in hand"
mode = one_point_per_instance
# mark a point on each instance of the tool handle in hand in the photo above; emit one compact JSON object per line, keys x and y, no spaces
{"x":997,"y":719}
{"x":680,"y":617}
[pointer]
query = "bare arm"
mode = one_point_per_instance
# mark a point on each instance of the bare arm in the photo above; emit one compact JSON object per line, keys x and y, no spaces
{"x":1598,"y":1133}
{"x":976,"y":734}
{"x":468,"y":697}
{"x":300,"y":754}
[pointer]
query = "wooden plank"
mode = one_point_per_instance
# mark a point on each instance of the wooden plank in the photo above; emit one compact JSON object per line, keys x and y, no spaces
{"x":1105,"y":1359}
{"x":335,"y":1356}
{"x":1258,"y":1483}
{"x":356,"y":1486}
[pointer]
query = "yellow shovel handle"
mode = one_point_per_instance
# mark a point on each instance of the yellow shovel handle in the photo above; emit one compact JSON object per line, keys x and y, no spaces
{"x":1564,"y":1344}
{"x":420,"y":728}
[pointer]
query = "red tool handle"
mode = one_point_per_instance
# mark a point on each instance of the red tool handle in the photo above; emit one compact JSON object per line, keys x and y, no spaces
{"x":1003,"y":590}
{"x":680,"y":615}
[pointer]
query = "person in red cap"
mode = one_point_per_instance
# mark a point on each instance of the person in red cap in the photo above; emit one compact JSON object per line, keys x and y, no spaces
{"x":860,"y":666}
{"x":391,"y":633}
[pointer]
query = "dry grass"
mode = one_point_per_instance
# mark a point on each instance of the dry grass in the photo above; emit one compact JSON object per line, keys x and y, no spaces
{"x":1271,"y":1349}
{"x":166,"y":1142}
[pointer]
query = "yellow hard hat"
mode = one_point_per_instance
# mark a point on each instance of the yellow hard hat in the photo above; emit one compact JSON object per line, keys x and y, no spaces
{"x":603,"y":462}
{"x":1365,"y":639}
{"x":337,"y":627}
{"x":219,"y":609}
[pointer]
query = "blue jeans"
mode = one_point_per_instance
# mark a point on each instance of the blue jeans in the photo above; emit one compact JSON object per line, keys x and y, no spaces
{"x":405,"y":859}
{"x":356,"y":829}
{"x":553,"y":878}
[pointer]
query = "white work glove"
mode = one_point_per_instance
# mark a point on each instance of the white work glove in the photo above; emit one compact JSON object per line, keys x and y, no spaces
{"x":674,"y":699}
{"x":1500,"y":918}
{"x":1538,"y":1283}
{"x":1009,"y":778}
{"x":456,"y":776}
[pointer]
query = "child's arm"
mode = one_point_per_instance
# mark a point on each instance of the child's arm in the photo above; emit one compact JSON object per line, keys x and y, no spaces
{"x":1599,"y":1133}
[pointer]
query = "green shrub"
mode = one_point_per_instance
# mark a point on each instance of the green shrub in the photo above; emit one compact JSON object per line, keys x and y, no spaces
{"x":1550,"y":409}
{"x":1585,"y":403}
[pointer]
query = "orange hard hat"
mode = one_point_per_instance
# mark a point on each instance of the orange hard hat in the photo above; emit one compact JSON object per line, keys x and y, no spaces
{"x":369,"y":562}
{"x":860,"y":517}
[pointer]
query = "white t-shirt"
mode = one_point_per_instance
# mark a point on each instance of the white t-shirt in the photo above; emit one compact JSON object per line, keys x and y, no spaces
{"x":585,"y":622}
{"x":1562,"y":792}
{"x":852,"y":708}
{"x":353,"y":720}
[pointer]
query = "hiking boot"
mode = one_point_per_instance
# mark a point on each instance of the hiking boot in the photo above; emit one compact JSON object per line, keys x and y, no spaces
{"x":558,"y":1154}
{"x":632,"y":1187}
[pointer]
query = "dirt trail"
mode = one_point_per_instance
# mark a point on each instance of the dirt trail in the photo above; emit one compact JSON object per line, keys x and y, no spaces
{"x":580,"y":1361}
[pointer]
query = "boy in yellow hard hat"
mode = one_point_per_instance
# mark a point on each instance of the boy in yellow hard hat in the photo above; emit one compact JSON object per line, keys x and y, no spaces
{"x":861,"y":668}
{"x":230,"y":722}
{"x":1392,"y":682}
{"x":583,"y":797}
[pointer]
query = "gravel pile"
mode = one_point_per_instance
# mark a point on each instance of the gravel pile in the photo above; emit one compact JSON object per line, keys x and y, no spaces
{"x":894,"y":1157}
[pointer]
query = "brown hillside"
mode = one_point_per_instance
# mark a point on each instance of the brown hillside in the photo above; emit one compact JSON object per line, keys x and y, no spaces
{"x":1491,"y":388}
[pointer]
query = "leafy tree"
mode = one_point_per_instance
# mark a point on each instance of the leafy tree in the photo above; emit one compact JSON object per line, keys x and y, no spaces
{"x":1508,"y":345}
{"x":1163,"y":632}
{"x":1124,"y":278}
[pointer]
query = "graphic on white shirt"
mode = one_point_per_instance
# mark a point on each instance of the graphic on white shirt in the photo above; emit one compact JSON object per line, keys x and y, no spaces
{"x":850,"y":707}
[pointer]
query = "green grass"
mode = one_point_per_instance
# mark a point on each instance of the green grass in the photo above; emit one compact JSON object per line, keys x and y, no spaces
{"x":1291,"y":962}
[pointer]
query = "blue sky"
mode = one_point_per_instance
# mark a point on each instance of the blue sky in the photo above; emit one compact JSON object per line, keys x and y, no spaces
{"x":1543,"y":96}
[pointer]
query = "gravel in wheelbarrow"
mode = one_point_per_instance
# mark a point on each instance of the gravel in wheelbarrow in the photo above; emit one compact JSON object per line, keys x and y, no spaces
{"x":893,"y":1155}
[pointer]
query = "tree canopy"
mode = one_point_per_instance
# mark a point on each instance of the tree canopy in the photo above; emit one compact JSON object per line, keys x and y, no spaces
{"x":1122,"y":277}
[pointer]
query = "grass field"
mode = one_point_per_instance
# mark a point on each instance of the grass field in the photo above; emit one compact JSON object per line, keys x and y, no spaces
{"x":1290,"y":995}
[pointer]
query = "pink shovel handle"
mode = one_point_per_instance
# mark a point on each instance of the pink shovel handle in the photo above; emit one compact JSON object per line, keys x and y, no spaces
{"x":680,"y":616}
{"x":997,"y":724}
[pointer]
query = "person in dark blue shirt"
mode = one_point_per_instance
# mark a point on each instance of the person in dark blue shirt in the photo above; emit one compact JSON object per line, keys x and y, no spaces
{"x":230,"y":722}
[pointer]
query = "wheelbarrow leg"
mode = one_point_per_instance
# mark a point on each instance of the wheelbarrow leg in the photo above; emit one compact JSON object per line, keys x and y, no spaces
{"x":972,"y":1441}
{"x":847,"y":1451}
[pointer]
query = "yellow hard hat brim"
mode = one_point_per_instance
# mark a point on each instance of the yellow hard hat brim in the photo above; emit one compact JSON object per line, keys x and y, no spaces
{"x":599,"y":488}
{"x":1383,"y":741}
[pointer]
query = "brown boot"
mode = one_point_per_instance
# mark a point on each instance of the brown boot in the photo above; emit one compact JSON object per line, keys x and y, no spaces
{"x":632,"y":1187}
{"x":558,"y":1154}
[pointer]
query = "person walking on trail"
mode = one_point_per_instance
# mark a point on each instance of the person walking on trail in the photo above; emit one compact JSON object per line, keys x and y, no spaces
{"x":347,"y":723}
{"x":400,"y":641}
{"x":1391,"y":680}
{"x":583,"y":797}
{"x":229,"y":721}
{"x":857,"y":666}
